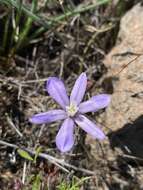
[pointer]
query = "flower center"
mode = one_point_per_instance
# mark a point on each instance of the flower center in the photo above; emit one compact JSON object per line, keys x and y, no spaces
{"x":71,"y":109}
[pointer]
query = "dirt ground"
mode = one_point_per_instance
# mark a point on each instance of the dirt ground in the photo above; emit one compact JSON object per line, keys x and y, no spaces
{"x":79,"y":43}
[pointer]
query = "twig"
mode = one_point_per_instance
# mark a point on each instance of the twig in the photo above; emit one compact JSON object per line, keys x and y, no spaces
{"x":8,"y":144}
{"x":58,"y":162}
{"x":34,"y":81}
{"x":124,"y":66}
{"x":42,"y":155}
{"x":24,"y":172}
{"x":132,"y":157}
{"x":61,"y":66}
{"x":13,"y":126}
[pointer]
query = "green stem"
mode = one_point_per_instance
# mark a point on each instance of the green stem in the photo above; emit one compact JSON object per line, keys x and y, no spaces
{"x":48,"y":22}
{"x":27,"y":26}
{"x":33,"y":36}
{"x":17,"y":20}
{"x":78,"y":11}
{"x":62,"y":17}
{"x":4,"y":43}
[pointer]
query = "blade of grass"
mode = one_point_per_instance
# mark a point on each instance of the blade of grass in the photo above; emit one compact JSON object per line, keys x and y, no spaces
{"x":26,"y":29}
{"x":80,"y":182}
{"x":50,"y":21}
{"x":16,"y":19}
{"x":26,"y":10}
{"x":65,"y":16}
{"x":27,"y":25}
{"x":19,"y":13}
{"x":79,"y":10}
{"x":46,"y":23}
{"x":5,"y":37}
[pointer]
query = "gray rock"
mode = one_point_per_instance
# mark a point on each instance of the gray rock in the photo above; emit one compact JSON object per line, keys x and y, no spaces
{"x":127,"y":99}
{"x":121,"y":154}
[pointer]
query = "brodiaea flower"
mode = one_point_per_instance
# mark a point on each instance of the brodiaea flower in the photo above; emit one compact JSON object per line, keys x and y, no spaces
{"x":72,"y":111}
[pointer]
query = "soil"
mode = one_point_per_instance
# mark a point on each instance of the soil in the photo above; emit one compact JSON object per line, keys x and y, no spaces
{"x":64,"y":50}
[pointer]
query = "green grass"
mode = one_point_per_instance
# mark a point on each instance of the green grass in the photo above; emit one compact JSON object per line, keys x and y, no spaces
{"x":20,"y":35}
{"x":46,"y":23}
{"x":75,"y":185}
{"x":37,"y":180}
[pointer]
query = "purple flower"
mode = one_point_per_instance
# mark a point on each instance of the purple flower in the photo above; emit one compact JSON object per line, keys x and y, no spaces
{"x":72,"y":111}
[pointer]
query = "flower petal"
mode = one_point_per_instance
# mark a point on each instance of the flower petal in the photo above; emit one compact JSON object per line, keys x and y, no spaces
{"x":65,"y":137}
{"x":95,"y":103}
{"x":57,"y":91}
{"x":79,"y":89}
{"x":89,"y":127}
{"x":48,"y":117}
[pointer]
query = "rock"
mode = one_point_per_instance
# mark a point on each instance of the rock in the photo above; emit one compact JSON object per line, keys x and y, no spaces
{"x":119,"y":157}
{"x":127,"y":75}
{"x":123,"y":119}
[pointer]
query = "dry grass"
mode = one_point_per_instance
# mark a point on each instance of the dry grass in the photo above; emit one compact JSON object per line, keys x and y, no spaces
{"x":77,"y":44}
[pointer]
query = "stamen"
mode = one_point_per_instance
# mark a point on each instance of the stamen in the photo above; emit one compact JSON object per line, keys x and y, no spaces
{"x":71,"y":109}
